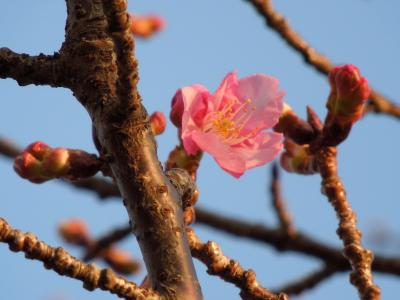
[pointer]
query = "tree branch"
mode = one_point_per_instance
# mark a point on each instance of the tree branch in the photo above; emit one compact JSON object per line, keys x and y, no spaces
{"x":229,"y":270}
{"x":64,"y":264}
{"x":300,"y":243}
{"x":309,"y":281}
{"x":285,"y":219}
{"x":106,"y":241}
{"x":359,"y":257}
{"x":276,"y":21}
{"x":26,"y":69}
{"x":99,"y":48}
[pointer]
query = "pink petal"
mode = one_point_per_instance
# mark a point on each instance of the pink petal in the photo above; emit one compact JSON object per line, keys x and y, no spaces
{"x":223,"y":154}
{"x":260,"y":150}
{"x":266,"y":100}
{"x":225,"y":91}
{"x":194,"y":99}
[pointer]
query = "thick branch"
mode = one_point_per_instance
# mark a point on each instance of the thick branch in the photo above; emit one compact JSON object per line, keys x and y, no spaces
{"x":276,"y":21}
{"x":64,"y":264}
{"x":99,"y":48}
{"x":26,"y":69}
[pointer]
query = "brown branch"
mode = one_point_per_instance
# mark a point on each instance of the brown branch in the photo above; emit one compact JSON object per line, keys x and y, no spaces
{"x":360,"y":258}
{"x":8,"y":148}
{"x":106,"y":241}
{"x":99,"y":49}
{"x":278,"y":203}
{"x":102,"y":188}
{"x":26,"y":69}
{"x":276,"y":21}
{"x":229,"y":270}
{"x":64,"y":264}
{"x":309,"y":281}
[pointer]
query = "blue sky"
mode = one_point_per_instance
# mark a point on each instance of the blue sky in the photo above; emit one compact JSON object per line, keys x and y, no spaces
{"x":202,"y":42}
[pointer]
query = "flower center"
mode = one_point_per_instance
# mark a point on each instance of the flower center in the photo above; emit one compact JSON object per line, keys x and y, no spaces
{"x":229,"y":122}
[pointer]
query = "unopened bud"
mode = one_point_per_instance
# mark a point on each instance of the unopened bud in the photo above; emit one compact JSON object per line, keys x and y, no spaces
{"x":178,"y":106}
{"x":178,"y":158}
{"x":146,"y":25}
{"x":297,"y":158}
{"x":158,"y":123}
{"x":295,"y":128}
{"x":38,"y":149}
{"x":75,"y":232}
{"x":39,"y":163}
{"x":177,"y":109}
{"x":349,"y":92}
{"x":56,"y":162}
{"x":29,"y":167}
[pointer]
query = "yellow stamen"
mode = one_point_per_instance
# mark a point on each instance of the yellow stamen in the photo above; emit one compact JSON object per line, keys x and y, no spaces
{"x":230,"y":121}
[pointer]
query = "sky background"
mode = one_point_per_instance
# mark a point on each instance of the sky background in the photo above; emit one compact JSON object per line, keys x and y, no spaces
{"x":202,"y":42}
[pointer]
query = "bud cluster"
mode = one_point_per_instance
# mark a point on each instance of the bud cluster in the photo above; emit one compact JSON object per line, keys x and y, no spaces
{"x":39,"y":163}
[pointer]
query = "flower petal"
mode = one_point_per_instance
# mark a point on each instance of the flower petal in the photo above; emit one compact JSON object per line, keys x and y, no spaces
{"x":223,"y":154}
{"x":196,"y":106}
{"x":225,"y":91}
{"x":266,"y":100}
{"x":260,"y":150}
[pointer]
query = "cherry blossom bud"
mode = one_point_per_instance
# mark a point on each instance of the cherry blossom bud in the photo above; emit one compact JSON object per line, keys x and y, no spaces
{"x":121,"y":261}
{"x":158,"y":123}
{"x":75,"y":232}
{"x":349,"y":92}
{"x":297,"y":159}
{"x":146,"y":25}
{"x":38,"y":149}
{"x":293,"y":127}
{"x":177,"y":103}
{"x":177,"y":109}
{"x":56,"y":163}
{"x":29,"y":167}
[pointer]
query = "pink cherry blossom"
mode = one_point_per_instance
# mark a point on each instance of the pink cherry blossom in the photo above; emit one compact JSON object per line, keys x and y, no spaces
{"x":230,"y":124}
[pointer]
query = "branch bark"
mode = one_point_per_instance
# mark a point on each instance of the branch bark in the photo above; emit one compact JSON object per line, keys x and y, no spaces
{"x":103,"y":77}
{"x":26,"y":69}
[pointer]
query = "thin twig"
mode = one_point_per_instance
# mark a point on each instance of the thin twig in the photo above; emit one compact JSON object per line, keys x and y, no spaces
{"x":276,"y":21}
{"x":360,"y":258}
{"x":228,"y":269}
{"x":309,"y":281}
{"x":285,"y":219}
{"x":63,"y":263}
{"x":300,"y":243}
{"x":106,"y":241}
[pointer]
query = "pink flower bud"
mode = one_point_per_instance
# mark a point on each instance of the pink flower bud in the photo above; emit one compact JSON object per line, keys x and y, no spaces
{"x":158,"y":123}
{"x":146,"y":25}
{"x":28,"y":167}
{"x":177,"y":104}
{"x":121,"y":261}
{"x":56,"y":164}
{"x":75,"y":232}
{"x":349,"y":92}
{"x":38,"y":149}
{"x":177,"y":109}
